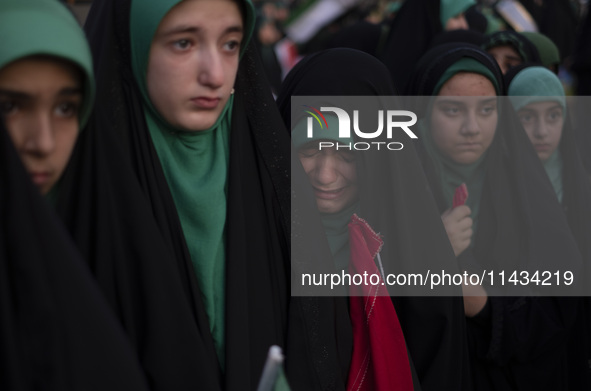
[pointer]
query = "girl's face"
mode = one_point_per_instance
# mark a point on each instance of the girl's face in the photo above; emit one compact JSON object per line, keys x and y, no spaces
{"x":333,"y":175}
{"x":40,"y":99}
{"x":506,"y":57}
{"x":464,"y":117}
{"x":193,"y":62}
{"x":543,"y":122}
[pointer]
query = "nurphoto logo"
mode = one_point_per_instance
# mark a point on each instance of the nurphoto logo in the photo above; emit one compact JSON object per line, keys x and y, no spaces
{"x":391,"y":118}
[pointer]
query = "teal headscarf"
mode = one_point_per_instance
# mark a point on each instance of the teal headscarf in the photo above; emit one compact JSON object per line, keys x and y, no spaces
{"x":538,"y":84}
{"x":46,"y":27}
{"x":453,"y":174}
{"x":535,"y":84}
{"x":452,"y":8}
{"x":195,"y":165}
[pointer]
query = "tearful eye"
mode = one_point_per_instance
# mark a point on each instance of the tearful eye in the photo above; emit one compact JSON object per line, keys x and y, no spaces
{"x":308,"y":152}
{"x":347,"y":157}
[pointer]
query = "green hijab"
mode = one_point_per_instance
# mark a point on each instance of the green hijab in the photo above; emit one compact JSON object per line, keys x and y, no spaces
{"x":452,"y":174}
{"x":195,"y":165}
{"x":538,"y":84}
{"x":452,"y":8}
{"x":46,"y":27}
{"x":548,"y":51}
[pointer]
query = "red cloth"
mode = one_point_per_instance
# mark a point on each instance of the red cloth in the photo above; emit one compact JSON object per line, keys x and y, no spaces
{"x":380,"y":360}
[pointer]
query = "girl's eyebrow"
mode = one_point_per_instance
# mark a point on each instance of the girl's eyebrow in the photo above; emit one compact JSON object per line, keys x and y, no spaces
{"x":70,"y":91}
{"x":194,"y":30}
{"x":15,"y":94}
{"x":67,"y":91}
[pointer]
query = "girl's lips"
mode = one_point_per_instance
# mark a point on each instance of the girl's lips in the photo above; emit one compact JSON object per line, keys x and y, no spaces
{"x":541,"y":147}
{"x":40,"y":178}
{"x":206,"y":103}
{"x":328,"y":194}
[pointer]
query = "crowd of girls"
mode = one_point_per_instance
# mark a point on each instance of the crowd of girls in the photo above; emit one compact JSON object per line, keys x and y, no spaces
{"x":157,"y":199}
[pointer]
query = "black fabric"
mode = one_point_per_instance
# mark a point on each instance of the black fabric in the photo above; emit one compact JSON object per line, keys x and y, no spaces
{"x":557,"y":20}
{"x":523,"y":346}
{"x":466,"y":36}
{"x":117,"y":205}
{"x":581,"y":67}
{"x":434,"y":327}
{"x":410,"y":33}
{"x":476,"y":20}
{"x":576,"y":195}
{"x":57,"y":331}
{"x":364,"y":36}
{"x":576,"y":187}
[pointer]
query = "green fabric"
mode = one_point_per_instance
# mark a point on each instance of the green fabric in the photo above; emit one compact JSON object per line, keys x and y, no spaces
{"x":337,"y":234}
{"x":196,"y":168}
{"x":281,"y":384}
{"x":493,"y":22}
{"x":553,"y":167}
{"x":46,"y":27}
{"x":549,"y":53}
{"x":320,"y":132}
{"x":536,"y":84}
{"x":466,"y":65}
{"x":451,"y":8}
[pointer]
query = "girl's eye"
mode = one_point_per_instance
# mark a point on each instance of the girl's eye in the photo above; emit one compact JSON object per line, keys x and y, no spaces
{"x":67,"y":110}
{"x":232,"y":45}
{"x":347,"y":157}
{"x":182,"y":44}
{"x":451,"y":111}
{"x":308,"y":152}
{"x":555,"y":115}
{"x":8,"y":107}
{"x":488,"y":110}
{"x":525,"y":118}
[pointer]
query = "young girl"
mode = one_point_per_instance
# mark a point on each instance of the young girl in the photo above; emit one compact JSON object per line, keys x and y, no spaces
{"x":388,"y":191}
{"x":538,"y":97}
{"x":46,"y":88}
{"x":57,"y":331}
{"x":179,"y":193}
{"x":511,"y":220}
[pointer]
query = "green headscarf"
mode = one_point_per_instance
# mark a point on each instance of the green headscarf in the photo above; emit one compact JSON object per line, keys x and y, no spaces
{"x":452,"y":8}
{"x":548,"y":51}
{"x":453,"y":174}
{"x":195,"y":165}
{"x":46,"y":27}
{"x":538,"y":84}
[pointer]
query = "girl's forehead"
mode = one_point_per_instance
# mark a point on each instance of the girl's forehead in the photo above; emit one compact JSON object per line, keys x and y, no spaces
{"x":468,"y":84}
